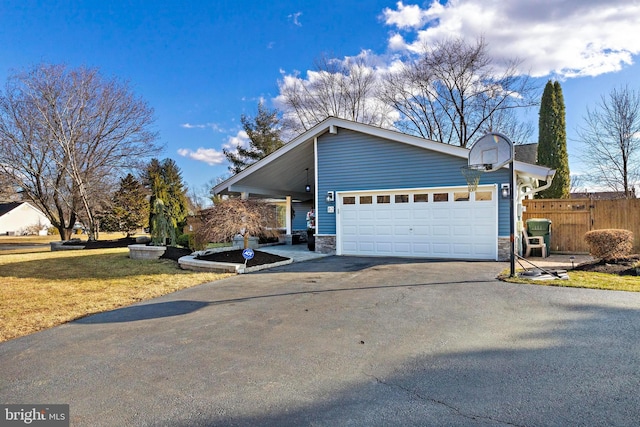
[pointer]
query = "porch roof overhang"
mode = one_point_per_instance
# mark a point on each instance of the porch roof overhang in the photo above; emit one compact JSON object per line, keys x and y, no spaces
{"x":284,"y":172}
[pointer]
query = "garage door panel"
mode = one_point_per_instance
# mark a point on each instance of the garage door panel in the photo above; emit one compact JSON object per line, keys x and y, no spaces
{"x":350,"y":230}
{"x":402,"y":248}
{"x":384,"y":215}
{"x":485,"y":249}
{"x":401,"y":214}
{"x":482,"y":232}
{"x":483,"y":214}
{"x":422,"y":249}
{"x":461,"y":230}
{"x":349,"y":215}
{"x":366,"y":247}
{"x":439,"y":229}
{"x":421,"y":212}
{"x":461,"y":214}
{"x":421,"y":230}
{"x":384,"y":230}
{"x":462,"y":250}
{"x":402,"y":230}
{"x":441,"y":213}
{"x":384,"y":247}
{"x":441,"y":249}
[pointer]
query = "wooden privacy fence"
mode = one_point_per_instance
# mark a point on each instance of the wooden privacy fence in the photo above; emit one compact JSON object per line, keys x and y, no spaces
{"x":572,"y":218}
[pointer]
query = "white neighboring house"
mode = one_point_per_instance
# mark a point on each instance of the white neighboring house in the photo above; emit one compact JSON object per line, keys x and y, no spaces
{"x":18,"y":218}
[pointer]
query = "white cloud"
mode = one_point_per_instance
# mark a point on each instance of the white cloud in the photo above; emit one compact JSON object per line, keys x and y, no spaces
{"x":213,"y":126}
{"x":411,"y":16}
{"x":568,"y":39}
{"x":241,"y":139}
{"x":207,"y":155}
{"x":213,"y":157}
{"x":294,"y":17}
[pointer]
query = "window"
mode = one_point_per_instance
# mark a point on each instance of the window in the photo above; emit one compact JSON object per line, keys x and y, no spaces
{"x":383,"y":199}
{"x":349,"y":200}
{"x":483,"y":195}
{"x":366,"y":200}
{"x":420,"y":198}
{"x":461,"y":196}
{"x":402,"y":198}
{"x":440,"y":197}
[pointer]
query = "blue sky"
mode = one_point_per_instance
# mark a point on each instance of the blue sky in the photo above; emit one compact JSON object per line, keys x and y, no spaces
{"x":201,"y":64}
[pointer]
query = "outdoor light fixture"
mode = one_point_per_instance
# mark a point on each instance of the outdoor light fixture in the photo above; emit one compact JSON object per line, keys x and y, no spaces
{"x":505,"y":191}
{"x":330,"y":197}
{"x":307,"y":187}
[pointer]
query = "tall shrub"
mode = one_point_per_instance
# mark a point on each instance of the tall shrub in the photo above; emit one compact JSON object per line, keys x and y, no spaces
{"x":552,"y":141}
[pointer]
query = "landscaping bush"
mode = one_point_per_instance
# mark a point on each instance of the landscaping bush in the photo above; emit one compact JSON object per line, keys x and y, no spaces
{"x":191,"y":241}
{"x":196,"y":243}
{"x":183,"y":240}
{"x":609,"y":244}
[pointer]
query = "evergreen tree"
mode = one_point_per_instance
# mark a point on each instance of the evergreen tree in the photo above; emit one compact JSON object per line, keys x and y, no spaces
{"x":552,"y":141}
{"x":177,"y":203}
{"x":168,"y":201}
{"x":264,"y":138}
{"x":129,"y":208}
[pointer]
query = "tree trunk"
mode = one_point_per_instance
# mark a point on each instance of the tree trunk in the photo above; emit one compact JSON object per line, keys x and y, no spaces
{"x":65,"y":233}
{"x":246,"y":240}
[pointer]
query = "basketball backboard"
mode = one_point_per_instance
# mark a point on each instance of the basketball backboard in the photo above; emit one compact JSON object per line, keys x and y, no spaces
{"x":493,"y":151}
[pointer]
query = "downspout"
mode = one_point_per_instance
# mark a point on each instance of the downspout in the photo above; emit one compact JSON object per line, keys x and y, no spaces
{"x":533,"y":191}
{"x":521,"y":197}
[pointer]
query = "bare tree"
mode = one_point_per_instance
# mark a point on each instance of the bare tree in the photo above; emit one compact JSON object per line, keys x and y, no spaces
{"x":611,"y":137}
{"x":64,"y":136}
{"x":576,"y":183}
{"x":454,"y":92}
{"x":228,"y":218}
{"x":335,"y":88}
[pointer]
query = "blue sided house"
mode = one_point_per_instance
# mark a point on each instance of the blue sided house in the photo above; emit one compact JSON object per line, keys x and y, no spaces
{"x":378,"y":192}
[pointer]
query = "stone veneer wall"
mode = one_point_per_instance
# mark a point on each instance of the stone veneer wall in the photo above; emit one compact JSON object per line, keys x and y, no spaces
{"x":504,"y":248}
{"x":325,"y":244}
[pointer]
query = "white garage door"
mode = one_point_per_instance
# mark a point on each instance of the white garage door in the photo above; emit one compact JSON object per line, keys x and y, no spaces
{"x":431,"y":223}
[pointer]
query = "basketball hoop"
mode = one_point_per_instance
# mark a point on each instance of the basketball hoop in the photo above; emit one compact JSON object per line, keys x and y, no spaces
{"x":472,"y":174}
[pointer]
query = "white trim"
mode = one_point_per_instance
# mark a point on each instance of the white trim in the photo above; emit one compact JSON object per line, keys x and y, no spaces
{"x":491,"y":187}
{"x":535,"y":171}
{"x":315,"y":183}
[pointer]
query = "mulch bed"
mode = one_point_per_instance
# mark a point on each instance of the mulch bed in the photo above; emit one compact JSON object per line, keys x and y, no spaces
{"x":105,"y":244}
{"x":621,"y":266}
{"x":175,"y":253}
{"x":235,"y":256}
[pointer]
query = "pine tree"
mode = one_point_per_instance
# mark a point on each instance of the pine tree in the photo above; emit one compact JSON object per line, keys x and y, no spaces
{"x":552,"y":141}
{"x":128,"y":210}
{"x":168,"y":201}
{"x":264,"y":138}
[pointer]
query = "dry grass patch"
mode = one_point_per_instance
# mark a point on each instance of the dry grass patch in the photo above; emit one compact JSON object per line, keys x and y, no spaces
{"x":41,"y":290}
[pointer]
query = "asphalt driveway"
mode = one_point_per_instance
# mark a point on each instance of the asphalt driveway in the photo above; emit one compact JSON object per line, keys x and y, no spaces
{"x":342,"y":341}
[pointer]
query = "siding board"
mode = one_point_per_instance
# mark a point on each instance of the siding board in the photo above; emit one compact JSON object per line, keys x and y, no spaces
{"x":351,"y":161}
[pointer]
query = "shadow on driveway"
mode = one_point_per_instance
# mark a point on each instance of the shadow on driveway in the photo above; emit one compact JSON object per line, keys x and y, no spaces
{"x":144,"y":312}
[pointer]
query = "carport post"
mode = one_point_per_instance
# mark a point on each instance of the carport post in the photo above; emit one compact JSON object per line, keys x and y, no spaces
{"x":512,"y":219}
{"x":288,"y":217}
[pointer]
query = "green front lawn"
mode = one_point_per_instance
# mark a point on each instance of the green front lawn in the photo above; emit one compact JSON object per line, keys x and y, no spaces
{"x":585,"y":279}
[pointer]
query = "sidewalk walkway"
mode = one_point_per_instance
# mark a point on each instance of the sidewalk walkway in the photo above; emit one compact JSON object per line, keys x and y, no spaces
{"x":564,"y":261}
{"x":301,"y":253}
{"x":297,"y":253}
